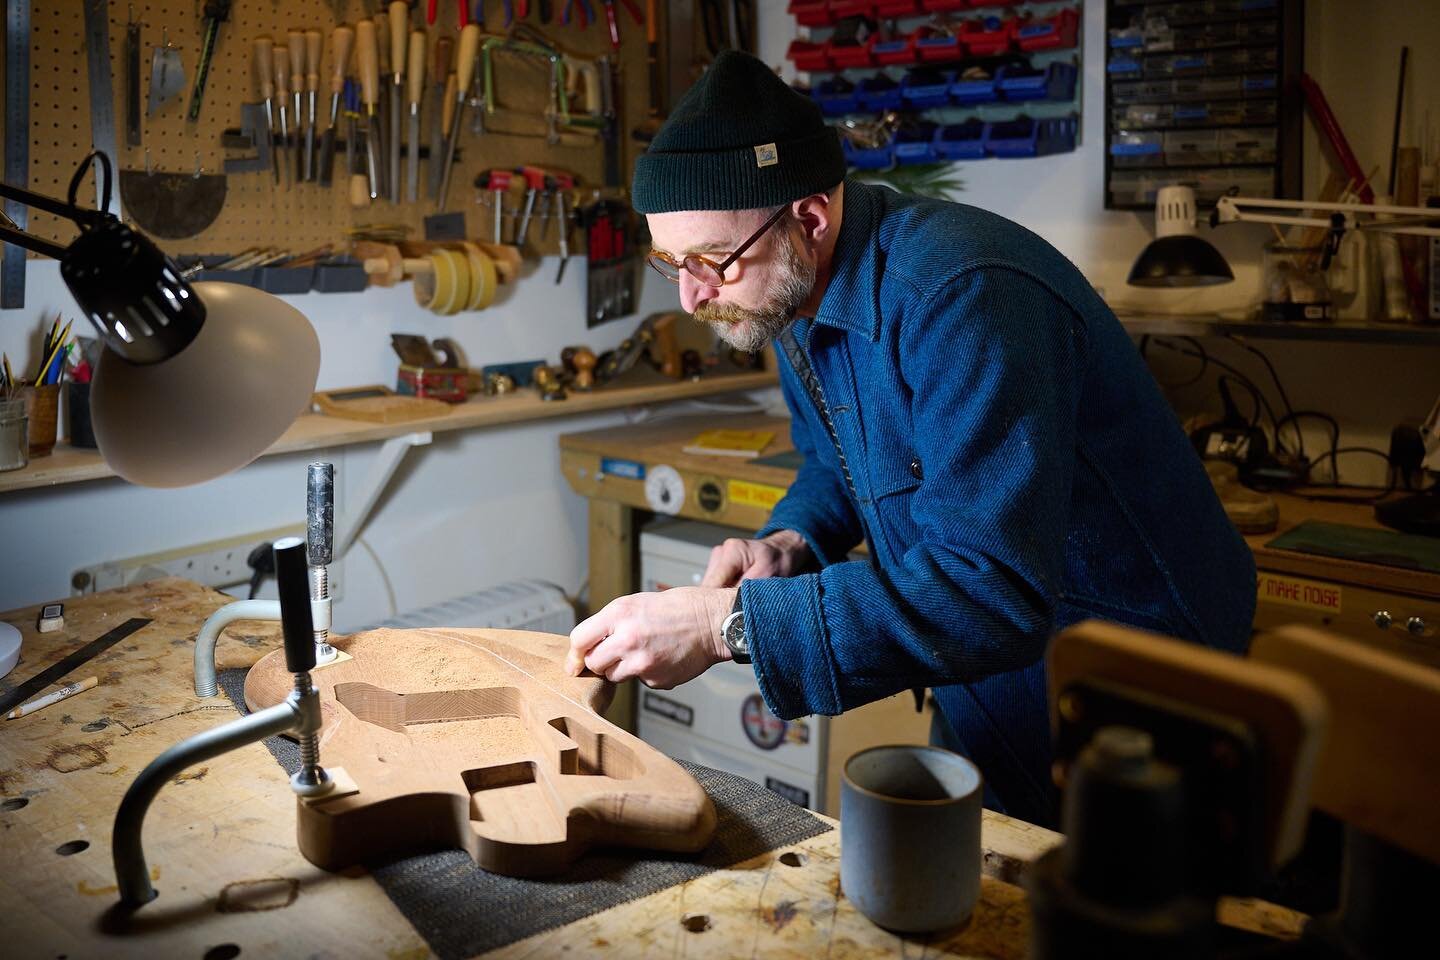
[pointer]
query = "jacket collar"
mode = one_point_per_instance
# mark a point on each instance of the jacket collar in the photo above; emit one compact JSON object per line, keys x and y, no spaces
{"x":852,"y":298}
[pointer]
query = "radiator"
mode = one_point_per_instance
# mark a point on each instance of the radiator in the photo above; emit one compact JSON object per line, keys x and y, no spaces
{"x":517,"y":605}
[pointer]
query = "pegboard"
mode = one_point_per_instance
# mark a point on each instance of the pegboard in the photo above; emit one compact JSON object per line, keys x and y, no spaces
{"x":257,"y":212}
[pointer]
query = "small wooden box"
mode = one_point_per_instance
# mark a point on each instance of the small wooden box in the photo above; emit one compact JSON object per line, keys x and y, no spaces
{"x":440,"y":383}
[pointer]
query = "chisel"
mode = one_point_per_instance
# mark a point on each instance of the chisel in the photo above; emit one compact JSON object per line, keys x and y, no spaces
{"x":282,"y":99}
{"x":297,"y":90}
{"x":382,"y":100}
{"x":399,"y":39}
{"x":441,"y":103}
{"x":342,"y":38}
{"x":415,"y":87}
{"x":464,"y":69}
{"x":312,"y":92}
{"x":368,"y":57}
{"x":265,"y":76}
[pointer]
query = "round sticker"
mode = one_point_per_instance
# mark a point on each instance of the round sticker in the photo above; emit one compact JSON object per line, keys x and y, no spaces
{"x":762,"y":727}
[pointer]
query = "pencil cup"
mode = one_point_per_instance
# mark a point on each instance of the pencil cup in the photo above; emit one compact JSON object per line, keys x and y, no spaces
{"x":14,"y":435}
{"x":78,"y":429}
{"x":910,"y":837}
{"x":42,"y":406}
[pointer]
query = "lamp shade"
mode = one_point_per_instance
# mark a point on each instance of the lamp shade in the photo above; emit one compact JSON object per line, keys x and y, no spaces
{"x":1178,"y":257}
{"x":215,"y":405}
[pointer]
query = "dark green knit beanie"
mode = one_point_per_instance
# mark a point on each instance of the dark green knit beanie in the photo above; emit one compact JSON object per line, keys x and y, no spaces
{"x":739,"y":139}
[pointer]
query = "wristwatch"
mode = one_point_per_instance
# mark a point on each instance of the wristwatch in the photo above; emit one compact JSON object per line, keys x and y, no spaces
{"x":732,"y":631}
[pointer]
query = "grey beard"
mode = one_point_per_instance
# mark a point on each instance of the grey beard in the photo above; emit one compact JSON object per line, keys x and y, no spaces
{"x":764,"y":323}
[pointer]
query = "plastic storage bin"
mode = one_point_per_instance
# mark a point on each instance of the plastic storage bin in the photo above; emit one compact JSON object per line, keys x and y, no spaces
{"x":915,"y":142}
{"x":962,"y":141}
{"x":840,"y":9}
{"x":843,"y":56}
{"x":986,"y":36}
{"x":935,"y":46}
{"x":811,"y":13}
{"x":979,"y":87}
{"x":1027,"y":137}
{"x":808,"y":56}
{"x":836,"y":96}
{"x":897,"y":8}
{"x":879,"y":93}
{"x":1185,"y":148}
{"x":1131,"y":148}
{"x":868,"y":158}
{"x":1055,"y":32}
{"x":892,"y":51}
{"x":1247,"y":146}
{"x":1019,"y":82}
{"x":922,"y":88}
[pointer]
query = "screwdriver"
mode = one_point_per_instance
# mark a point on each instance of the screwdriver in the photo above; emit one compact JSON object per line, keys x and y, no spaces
{"x":415,"y":87}
{"x":282,"y":98}
{"x":367,"y":56}
{"x":264,"y":66}
{"x":216,"y":13}
{"x":464,"y":70}
{"x":313,"y":39}
{"x":342,"y":38}
{"x":297,"y":89}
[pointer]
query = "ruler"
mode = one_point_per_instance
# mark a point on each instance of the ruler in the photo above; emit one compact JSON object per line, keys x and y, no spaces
{"x":102,"y":97}
{"x":86,"y":653}
{"x":17,"y":144}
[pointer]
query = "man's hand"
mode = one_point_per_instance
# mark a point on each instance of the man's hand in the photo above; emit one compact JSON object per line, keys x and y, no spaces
{"x":779,"y":555}
{"x":661,"y":638}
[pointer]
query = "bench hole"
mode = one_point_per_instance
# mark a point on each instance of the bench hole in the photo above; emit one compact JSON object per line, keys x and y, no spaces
{"x":14,"y":803}
{"x":225,"y":951}
{"x":792,"y":859}
{"x":695,"y":922}
{"x":72,"y":847}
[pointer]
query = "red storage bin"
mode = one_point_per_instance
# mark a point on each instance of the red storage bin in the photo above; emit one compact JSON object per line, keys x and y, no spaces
{"x":850,"y":55}
{"x":994,"y":3}
{"x":1050,"y":33}
{"x":987,"y":36}
{"x":840,"y":9}
{"x":811,"y":13}
{"x":808,"y":56}
{"x":935,"y":46}
{"x":892,"y":51}
{"x":943,"y":6}
{"x":897,"y":8}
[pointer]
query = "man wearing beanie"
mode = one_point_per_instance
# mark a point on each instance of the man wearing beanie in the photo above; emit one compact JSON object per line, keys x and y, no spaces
{"x":965,"y":404}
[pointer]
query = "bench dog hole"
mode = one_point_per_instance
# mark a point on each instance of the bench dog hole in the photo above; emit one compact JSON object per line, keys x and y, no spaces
{"x":95,"y":726}
{"x":695,"y":922}
{"x":14,"y":803}
{"x":253,"y":896}
{"x":72,"y":848}
{"x":792,"y":859}
{"x":225,"y":951}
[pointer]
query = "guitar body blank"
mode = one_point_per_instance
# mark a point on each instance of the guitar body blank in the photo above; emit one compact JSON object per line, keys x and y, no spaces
{"x":477,"y":739}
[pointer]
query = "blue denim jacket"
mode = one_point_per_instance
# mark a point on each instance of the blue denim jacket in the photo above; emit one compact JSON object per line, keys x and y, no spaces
{"x":991,"y":432}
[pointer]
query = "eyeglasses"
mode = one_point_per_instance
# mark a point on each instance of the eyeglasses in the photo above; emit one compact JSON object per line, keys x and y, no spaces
{"x":704,"y":269}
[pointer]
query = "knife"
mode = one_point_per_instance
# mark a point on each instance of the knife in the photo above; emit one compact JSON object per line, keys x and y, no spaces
{"x":399,"y":35}
{"x":368,"y":55}
{"x":342,"y":38}
{"x":415,"y":87}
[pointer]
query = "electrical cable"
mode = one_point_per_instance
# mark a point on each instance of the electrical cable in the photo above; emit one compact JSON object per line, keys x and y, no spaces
{"x":1279,"y":387}
{"x":1200,"y":352}
{"x":1177,"y":384}
{"x":384,"y":577}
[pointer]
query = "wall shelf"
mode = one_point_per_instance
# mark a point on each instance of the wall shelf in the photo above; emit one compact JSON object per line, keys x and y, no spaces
{"x":1211,"y":325}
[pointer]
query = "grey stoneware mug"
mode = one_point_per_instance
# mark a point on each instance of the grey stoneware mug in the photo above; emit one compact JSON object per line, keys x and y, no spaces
{"x":910,"y":837}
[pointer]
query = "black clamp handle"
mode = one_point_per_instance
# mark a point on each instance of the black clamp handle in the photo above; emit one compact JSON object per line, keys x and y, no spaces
{"x":291,"y":578}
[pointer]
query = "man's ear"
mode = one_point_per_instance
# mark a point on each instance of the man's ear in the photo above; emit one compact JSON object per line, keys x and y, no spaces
{"x":815,"y":216}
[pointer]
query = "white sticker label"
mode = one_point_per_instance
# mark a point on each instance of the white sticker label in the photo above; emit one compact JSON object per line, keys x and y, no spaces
{"x":765,"y":155}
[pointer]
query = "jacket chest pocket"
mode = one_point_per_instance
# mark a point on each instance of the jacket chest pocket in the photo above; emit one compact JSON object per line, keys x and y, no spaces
{"x":894,"y":495}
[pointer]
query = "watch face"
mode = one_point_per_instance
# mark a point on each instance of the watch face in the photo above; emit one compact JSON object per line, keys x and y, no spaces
{"x":735,"y":633}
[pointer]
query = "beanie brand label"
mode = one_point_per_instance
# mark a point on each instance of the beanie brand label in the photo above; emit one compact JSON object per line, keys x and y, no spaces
{"x":765,"y":155}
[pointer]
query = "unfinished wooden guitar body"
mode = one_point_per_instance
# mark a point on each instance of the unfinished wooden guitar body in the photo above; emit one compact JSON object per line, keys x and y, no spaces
{"x":477,"y":739}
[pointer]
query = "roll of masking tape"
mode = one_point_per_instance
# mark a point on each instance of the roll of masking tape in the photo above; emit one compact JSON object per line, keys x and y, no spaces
{"x":483,"y":278}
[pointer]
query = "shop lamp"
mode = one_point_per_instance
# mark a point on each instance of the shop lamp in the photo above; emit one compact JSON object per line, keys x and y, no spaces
{"x":196,"y":380}
{"x":1178,"y":257}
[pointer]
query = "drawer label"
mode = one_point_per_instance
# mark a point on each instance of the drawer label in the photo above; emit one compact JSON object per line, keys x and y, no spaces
{"x":669,"y":709}
{"x":1294,"y":592}
{"x":763,"y":495}
{"x":628,"y":469}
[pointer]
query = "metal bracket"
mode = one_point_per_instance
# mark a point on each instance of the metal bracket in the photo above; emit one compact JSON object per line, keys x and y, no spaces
{"x":392,"y":451}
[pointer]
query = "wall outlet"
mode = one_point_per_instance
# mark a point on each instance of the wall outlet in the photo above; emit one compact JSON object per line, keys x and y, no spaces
{"x":218,"y":563}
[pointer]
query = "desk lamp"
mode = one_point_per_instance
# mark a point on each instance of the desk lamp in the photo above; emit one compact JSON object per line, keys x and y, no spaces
{"x":1178,"y":257}
{"x":196,"y":380}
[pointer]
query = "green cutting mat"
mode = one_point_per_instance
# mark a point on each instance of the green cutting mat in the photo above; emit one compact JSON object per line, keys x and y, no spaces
{"x":1363,"y":544}
{"x":786,"y":460}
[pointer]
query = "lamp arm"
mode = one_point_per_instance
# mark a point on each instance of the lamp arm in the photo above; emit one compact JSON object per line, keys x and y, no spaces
{"x":87,"y":219}
{"x":1233,"y":210}
{"x":20,"y":238}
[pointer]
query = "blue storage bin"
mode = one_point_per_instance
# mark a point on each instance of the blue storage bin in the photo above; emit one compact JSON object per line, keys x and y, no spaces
{"x":861,"y":158}
{"x":926,"y":88}
{"x":879,"y":93}
{"x":978,"y":90}
{"x":1018,"y":82}
{"x":962,"y":141}
{"x":836,"y":96}
{"x":1025,"y":137}
{"x":1057,"y":135}
{"x":915,"y":143}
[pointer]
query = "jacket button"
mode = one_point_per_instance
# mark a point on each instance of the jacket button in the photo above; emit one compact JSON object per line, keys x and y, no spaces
{"x":916,"y":470}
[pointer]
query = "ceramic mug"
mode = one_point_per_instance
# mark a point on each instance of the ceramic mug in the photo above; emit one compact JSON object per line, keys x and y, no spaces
{"x":910,"y":837}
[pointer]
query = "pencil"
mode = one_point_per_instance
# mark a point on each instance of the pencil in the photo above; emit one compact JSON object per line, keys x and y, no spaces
{"x":54,"y":696}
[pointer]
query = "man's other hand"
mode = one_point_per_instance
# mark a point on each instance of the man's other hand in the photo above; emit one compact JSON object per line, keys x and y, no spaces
{"x":781,"y":554}
{"x":663,"y":639}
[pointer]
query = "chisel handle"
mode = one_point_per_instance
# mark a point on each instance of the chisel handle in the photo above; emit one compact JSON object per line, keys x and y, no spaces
{"x":382,"y":42}
{"x":342,"y":39}
{"x":366,"y":55}
{"x":415,"y":67}
{"x":465,"y":58}
{"x":447,"y":111}
{"x":264,"y":49}
{"x":399,"y":35}
{"x":440,"y":68}
{"x":297,"y":61}
{"x":282,"y":72}
{"x":313,"y":41}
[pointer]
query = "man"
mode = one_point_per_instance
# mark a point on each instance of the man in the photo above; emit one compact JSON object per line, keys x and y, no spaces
{"x":965,"y":404}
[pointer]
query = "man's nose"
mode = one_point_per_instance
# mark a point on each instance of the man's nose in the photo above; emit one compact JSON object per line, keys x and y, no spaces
{"x":693,"y":292}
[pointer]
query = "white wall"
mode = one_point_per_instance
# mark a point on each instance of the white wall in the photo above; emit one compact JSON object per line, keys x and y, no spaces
{"x":473,"y":509}
{"x":1352,"y":49}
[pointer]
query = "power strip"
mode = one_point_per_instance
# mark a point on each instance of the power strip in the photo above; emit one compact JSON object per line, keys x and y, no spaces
{"x":218,"y":563}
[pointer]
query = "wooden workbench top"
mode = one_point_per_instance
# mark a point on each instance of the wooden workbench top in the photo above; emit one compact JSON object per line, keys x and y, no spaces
{"x":220,"y":839}
{"x":314,"y":432}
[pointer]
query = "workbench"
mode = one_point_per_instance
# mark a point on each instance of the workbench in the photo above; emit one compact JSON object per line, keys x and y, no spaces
{"x":220,"y":838}
{"x":608,"y":466}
